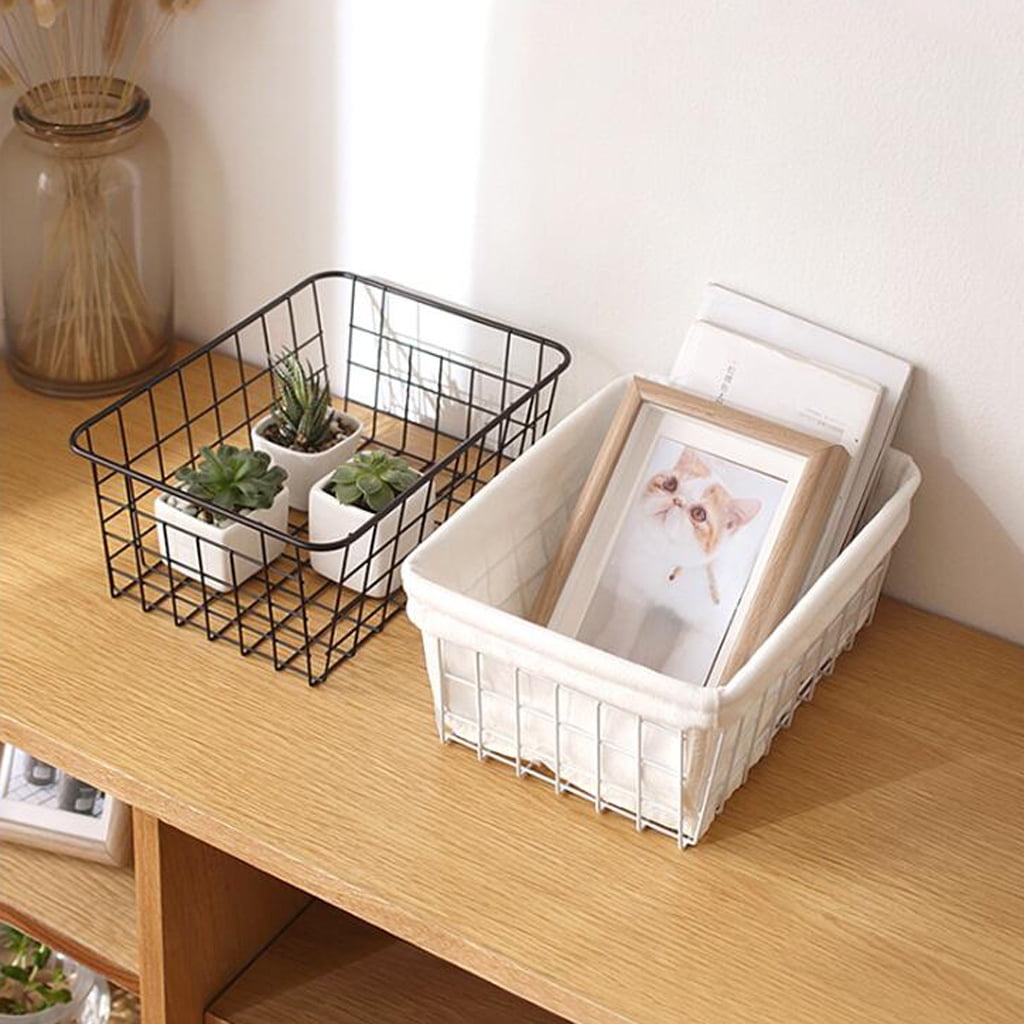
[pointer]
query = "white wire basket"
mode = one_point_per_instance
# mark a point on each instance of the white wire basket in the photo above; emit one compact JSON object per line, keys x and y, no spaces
{"x":664,"y":753}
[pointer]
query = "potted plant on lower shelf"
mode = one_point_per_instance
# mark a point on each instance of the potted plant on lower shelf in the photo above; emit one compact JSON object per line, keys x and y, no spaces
{"x":304,"y":434}
{"x":214,"y":549}
{"x":38,"y":986}
{"x":348,"y":498}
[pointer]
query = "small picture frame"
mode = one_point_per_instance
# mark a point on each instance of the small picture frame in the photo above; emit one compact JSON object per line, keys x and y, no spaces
{"x":692,"y":536}
{"x":44,"y":807}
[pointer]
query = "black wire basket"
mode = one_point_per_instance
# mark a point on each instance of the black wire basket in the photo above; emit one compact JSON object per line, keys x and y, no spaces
{"x":456,"y":394}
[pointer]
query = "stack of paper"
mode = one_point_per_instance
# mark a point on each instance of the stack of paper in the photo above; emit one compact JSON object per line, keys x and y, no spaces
{"x":747,"y":354}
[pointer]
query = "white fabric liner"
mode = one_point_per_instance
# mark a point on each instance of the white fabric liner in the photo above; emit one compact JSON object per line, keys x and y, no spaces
{"x":470,"y":585}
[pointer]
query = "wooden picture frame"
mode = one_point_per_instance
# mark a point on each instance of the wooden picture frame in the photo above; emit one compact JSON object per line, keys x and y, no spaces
{"x":608,"y":557}
{"x":31,"y":811}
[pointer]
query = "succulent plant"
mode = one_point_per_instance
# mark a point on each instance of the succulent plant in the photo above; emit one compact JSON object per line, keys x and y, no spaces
{"x":303,"y":418}
{"x":29,"y":980}
{"x":371,"y":480}
{"x":233,"y":478}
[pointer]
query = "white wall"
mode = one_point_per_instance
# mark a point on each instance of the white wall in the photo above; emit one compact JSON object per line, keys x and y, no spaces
{"x":247,"y":94}
{"x":583,"y":167}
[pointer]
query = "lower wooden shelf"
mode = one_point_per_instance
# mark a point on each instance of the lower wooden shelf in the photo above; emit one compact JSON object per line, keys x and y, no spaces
{"x":83,"y":908}
{"x":330,"y":967}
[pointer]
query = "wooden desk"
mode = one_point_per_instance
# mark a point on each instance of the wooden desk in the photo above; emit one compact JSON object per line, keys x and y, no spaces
{"x":871,"y":869}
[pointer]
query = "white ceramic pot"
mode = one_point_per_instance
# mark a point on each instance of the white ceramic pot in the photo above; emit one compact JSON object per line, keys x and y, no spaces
{"x":89,"y":1004}
{"x":366,"y":563}
{"x":229,"y":554}
{"x":305,"y":468}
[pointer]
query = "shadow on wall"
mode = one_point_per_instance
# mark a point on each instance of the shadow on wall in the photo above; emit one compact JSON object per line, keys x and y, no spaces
{"x":436,"y":181}
{"x":600,"y":171}
{"x":955,"y":543}
{"x":979,"y":558}
{"x":573,"y":173}
{"x":200,"y":247}
{"x":250,"y":104}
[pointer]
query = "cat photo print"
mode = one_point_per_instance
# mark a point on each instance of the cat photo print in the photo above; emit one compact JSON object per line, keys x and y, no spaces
{"x":692,"y":536}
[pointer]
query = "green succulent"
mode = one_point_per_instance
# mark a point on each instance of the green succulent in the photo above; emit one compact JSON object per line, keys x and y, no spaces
{"x":29,"y":980}
{"x":371,"y":480}
{"x":233,"y":478}
{"x":303,"y":418}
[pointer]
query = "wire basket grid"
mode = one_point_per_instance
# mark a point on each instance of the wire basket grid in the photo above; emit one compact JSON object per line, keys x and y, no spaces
{"x":456,"y":394}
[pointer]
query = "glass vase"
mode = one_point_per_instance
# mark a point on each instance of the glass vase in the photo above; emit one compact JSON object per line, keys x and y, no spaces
{"x":86,"y":238}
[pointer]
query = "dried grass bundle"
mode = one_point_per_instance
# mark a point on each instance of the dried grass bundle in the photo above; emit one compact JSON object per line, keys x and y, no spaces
{"x":75,"y":63}
{"x":54,"y":43}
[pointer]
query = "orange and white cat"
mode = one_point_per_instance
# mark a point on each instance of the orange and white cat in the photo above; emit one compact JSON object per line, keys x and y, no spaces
{"x":660,"y":592}
{"x":689,"y":509}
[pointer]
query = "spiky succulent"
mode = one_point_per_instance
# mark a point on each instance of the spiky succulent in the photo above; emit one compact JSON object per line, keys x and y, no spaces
{"x":303,"y":418}
{"x":233,"y":478}
{"x":30,"y":980}
{"x":371,"y":480}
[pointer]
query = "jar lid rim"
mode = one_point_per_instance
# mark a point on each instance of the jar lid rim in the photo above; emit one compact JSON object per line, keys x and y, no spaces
{"x":77,"y":91}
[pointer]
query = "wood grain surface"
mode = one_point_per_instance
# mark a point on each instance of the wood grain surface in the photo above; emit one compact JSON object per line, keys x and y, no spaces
{"x":203,"y":916}
{"x":331,"y":968}
{"x":84,"y":908}
{"x":871,"y":869}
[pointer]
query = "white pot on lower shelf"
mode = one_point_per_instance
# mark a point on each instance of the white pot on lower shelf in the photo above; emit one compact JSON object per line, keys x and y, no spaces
{"x":369,"y":564}
{"x":221,"y":556}
{"x":305,"y":468}
{"x":88,"y":1002}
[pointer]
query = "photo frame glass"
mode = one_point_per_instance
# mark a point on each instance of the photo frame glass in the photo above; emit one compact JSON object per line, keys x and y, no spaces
{"x":678,"y":561}
{"x":43,"y":806}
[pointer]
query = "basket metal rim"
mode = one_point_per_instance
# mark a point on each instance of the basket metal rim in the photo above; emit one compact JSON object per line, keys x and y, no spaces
{"x":75,"y":441}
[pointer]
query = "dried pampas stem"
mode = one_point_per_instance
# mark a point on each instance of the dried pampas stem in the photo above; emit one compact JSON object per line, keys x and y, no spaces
{"x":115,"y":34}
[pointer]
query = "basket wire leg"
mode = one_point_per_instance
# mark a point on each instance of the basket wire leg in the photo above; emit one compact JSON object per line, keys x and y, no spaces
{"x":874,"y":588}
{"x":107,"y":561}
{"x":363,"y":570}
{"x":478,"y":696}
{"x":394,"y":564}
{"x":557,"y":722}
{"x":268,"y":591}
{"x":681,"y":819}
{"x":755,"y":736}
{"x":336,"y":617}
{"x":723,"y":789}
{"x":210,"y":635}
{"x":133,"y":516}
{"x":706,"y":797}
{"x":242,"y":646}
{"x":516,"y":689}
{"x":172,"y":588}
{"x":639,"y":775}
{"x":304,"y":606}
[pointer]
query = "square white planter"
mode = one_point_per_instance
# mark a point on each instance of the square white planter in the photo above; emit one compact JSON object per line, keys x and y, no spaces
{"x":305,"y":468}
{"x":367,"y":561}
{"x":184,"y":540}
